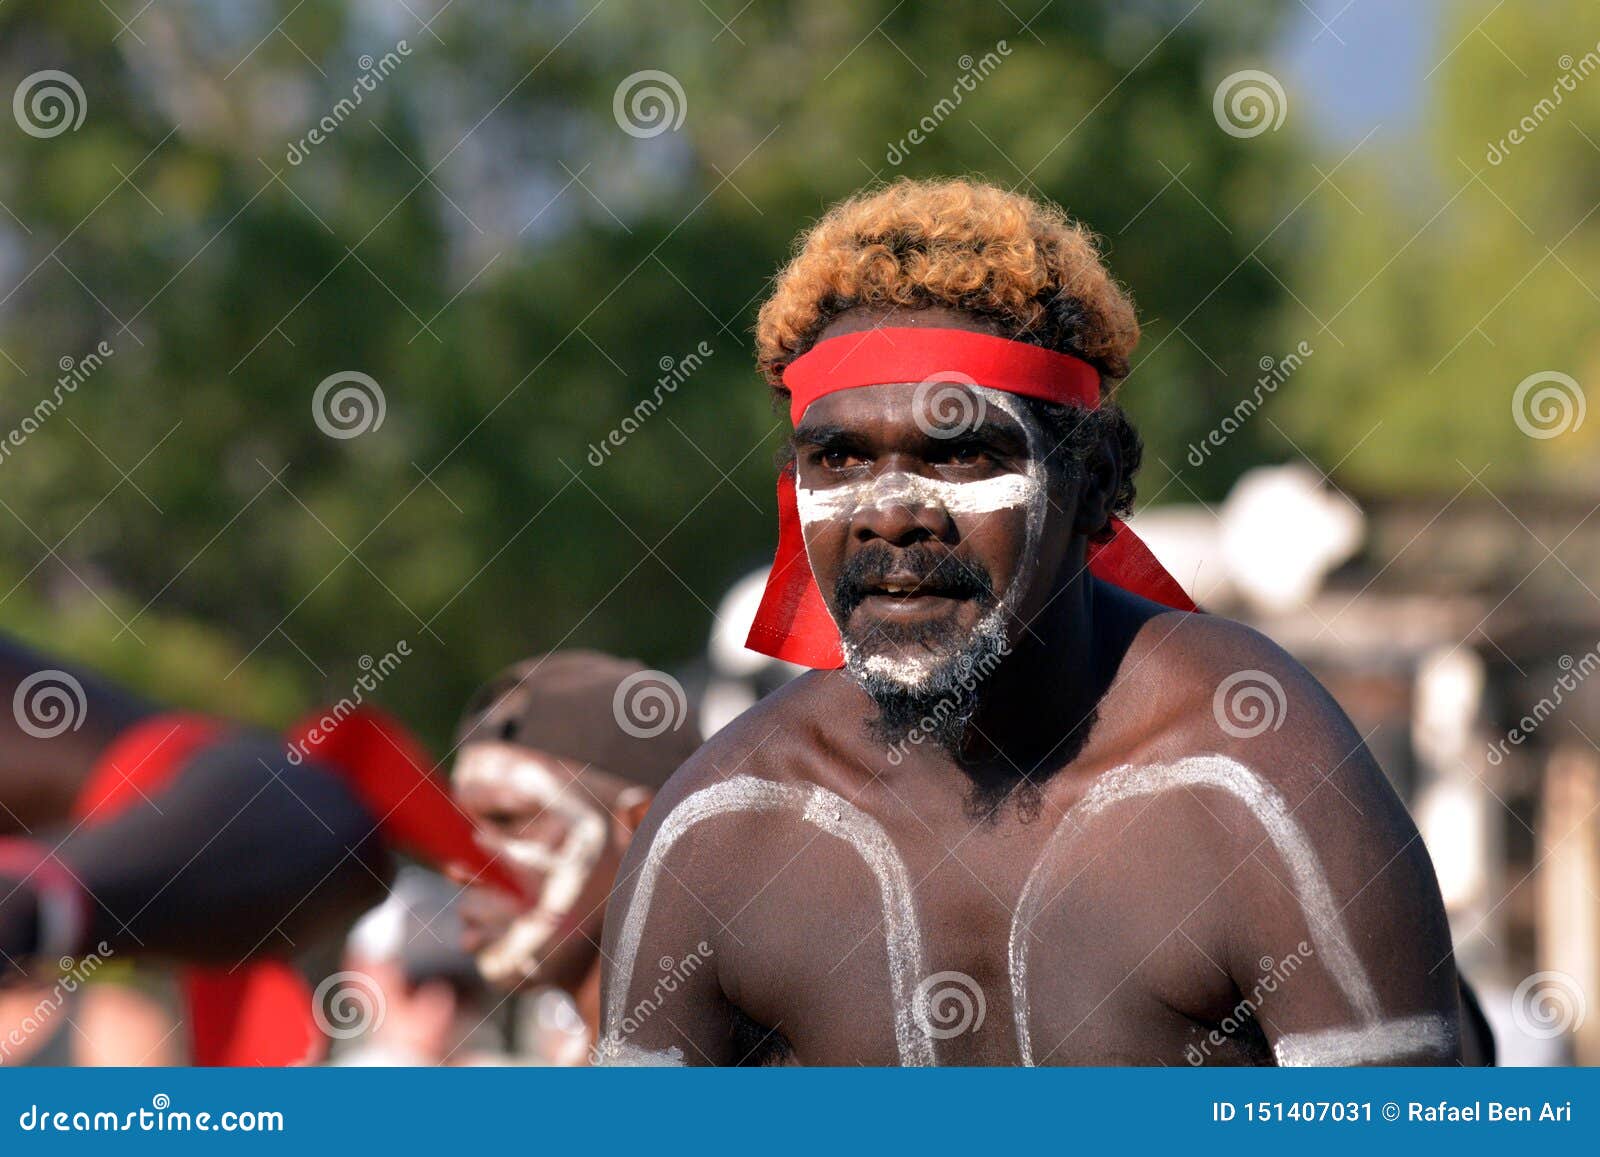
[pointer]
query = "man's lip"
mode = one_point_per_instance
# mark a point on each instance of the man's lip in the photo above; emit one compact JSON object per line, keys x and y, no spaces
{"x":882,"y":605}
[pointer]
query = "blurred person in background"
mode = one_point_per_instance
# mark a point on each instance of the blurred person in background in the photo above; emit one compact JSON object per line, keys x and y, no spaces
{"x":408,"y":992}
{"x":179,"y":827}
{"x":557,"y":761}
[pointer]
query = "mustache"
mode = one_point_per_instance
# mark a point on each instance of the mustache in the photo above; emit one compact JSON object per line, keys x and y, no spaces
{"x":934,"y":573}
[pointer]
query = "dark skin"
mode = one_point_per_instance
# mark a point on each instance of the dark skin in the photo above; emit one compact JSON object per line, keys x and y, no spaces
{"x":1161,"y":912}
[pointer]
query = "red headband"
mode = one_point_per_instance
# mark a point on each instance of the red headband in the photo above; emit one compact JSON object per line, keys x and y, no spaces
{"x":793,"y":622}
{"x":877,"y":357}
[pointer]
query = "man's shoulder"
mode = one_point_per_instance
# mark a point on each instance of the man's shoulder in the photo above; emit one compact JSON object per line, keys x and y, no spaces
{"x":1221,"y":689}
{"x":777,"y":739}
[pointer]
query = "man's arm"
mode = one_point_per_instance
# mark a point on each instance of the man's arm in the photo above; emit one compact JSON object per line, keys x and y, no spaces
{"x":661,"y":998}
{"x":242,"y":852}
{"x":1338,"y":937}
{"x":55,"y":721}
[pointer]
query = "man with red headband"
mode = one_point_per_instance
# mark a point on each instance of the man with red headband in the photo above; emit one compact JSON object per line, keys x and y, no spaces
{"x":1029,"y":808}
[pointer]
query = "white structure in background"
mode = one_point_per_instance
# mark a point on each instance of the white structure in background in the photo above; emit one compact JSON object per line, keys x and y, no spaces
{"x":1270,"y":543}
{"x":739,"y":676}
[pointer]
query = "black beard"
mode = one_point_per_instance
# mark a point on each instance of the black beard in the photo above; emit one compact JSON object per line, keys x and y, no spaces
{"x":940,"y":708}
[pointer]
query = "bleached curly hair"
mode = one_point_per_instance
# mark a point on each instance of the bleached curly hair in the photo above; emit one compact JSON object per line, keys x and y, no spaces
{"x":1020,"y":263}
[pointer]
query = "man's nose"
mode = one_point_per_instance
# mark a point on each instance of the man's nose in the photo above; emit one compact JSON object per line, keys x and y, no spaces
{"x":901,"y":516}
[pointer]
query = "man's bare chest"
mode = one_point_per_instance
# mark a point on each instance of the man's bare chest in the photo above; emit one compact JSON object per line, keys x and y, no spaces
{"x":897,"y":938}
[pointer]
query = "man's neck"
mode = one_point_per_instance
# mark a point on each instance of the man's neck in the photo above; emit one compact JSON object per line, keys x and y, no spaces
{"x":1038,"y":706}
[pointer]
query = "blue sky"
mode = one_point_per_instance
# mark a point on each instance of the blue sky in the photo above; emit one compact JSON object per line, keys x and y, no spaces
{"x":1367,"y":67}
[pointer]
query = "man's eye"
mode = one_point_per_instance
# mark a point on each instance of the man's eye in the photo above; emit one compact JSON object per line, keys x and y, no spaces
{"x":966,"y":455}
{"x":836,"y":459}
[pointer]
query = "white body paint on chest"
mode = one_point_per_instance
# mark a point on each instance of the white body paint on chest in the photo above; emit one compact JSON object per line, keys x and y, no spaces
{"x":834,"y":815}
{"x":1309,"y":882}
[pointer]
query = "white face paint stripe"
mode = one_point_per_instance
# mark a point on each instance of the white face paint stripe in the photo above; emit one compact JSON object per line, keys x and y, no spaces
{"x":567,"y":866}
{"x":1266,"y":805}
{"x":1428,"y":1034}
{"x":897,"y":488}
{"x":834,"y":815}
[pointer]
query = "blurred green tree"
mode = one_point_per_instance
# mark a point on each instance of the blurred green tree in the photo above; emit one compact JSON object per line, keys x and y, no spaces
{"x":481,"y":235}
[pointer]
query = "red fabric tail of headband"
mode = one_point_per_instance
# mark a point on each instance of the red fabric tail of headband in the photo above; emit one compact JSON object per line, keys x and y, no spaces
{"x":792,"y":622}
{"x":391,"y":773}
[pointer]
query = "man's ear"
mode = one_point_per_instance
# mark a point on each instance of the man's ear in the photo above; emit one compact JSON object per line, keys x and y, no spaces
{"x":1098,"y":486}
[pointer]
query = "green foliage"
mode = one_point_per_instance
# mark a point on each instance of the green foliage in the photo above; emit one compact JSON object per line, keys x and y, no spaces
{"x":482,"y":239}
